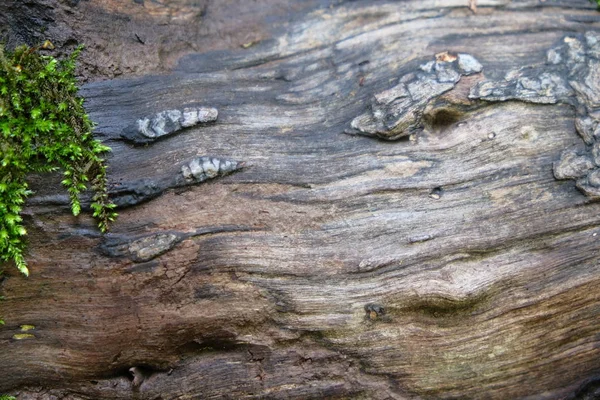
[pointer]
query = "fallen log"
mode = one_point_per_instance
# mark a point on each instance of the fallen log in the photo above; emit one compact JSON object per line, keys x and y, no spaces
{"x":409,"y":210}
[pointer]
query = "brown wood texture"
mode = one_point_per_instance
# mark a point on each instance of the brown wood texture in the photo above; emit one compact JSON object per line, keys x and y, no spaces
{"x":325,"y":261}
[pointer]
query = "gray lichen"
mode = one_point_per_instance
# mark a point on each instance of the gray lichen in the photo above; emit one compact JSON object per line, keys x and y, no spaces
{"x":149,"y":247}
{"x":197,"y":170}
{"x":570,"y":75}
{"x":419,"y":238}
{"x":525,"y":84}
{"x":143,"y":248}
{"x":203,"y":168}
{"x":151,"y":128}
{"x":588,"y":128}
{"x":572,"y":165}
{"x":398,"y":111}
{"x":590,"y":184}
{"x":583,"y":61}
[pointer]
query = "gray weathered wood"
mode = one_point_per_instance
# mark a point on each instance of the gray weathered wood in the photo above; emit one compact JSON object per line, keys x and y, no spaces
{"x":450,"y":263}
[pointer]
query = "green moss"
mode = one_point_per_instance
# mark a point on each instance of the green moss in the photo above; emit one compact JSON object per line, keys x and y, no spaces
{"x":5,"y":397}
{"x":44,"y":128}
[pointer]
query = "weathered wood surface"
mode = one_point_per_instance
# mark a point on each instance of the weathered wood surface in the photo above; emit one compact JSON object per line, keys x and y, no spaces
{"x":450,"y":263}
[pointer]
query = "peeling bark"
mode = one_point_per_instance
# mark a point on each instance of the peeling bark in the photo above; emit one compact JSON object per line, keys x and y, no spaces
{"x":398,"y":112}
{"x":457,"y":261}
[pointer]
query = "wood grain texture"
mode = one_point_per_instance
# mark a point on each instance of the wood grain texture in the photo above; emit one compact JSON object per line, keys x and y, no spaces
{"x":450,"y":264}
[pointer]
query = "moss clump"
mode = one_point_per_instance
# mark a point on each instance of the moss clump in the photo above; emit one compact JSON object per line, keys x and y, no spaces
{"x":44,"y":128}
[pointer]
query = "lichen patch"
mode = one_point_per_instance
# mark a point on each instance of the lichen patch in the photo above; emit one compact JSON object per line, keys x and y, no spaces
{"x":398,"y":112}
{"x":165,"y":123}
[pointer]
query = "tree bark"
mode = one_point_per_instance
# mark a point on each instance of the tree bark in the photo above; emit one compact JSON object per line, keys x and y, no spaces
{"x":397,"y":200}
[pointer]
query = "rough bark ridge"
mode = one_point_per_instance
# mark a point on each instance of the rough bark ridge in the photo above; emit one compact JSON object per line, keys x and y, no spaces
{"x":285,"y":251}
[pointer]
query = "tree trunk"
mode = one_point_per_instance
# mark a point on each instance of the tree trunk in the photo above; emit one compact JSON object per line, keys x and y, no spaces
{"x":396,"y":201}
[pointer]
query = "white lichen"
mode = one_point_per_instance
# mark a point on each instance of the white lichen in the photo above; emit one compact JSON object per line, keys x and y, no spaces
{"x":469,"y":64}
{"x":202,"y":168}
{"x":168,"y":122}
{"x":398,"y":111}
